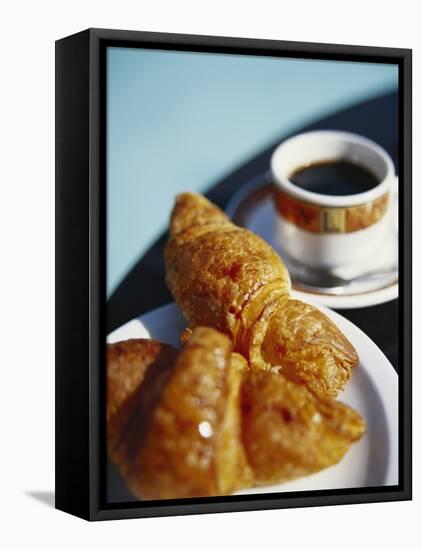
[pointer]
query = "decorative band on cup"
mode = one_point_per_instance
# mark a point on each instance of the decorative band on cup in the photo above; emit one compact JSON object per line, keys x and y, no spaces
{"x":327,"y":219}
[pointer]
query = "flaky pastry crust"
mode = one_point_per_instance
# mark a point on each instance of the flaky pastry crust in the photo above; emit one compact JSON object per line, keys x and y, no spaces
{"x":227,"y":277}
{"x":185,"y":440}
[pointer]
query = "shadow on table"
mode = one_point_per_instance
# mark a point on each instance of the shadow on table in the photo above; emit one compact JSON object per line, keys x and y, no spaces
{"x":45,"y":497}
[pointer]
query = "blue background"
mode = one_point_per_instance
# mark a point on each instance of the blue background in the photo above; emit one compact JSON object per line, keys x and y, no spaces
{"x":180,"y":121}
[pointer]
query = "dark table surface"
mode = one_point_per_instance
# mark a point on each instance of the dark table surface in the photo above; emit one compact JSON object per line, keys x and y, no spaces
{"x":144,"y":288}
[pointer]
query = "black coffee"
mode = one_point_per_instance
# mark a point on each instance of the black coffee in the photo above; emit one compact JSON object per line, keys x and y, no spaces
{"x":334,"y":178}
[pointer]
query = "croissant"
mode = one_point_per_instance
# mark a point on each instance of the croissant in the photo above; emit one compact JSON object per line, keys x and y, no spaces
{"x":183,"y":440}
{"x":228,"y":278}
{"x":202,"y":423}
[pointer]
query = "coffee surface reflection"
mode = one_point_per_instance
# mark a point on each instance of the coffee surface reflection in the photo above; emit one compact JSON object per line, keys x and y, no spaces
{"x":339,"y":177}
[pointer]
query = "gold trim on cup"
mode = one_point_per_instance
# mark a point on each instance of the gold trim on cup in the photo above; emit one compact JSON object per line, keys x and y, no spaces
{"x":327,"y":219}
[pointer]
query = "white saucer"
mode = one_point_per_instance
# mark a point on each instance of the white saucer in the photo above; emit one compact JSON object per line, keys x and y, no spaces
{"x":252,"y":207}
{"x":372,"y":390}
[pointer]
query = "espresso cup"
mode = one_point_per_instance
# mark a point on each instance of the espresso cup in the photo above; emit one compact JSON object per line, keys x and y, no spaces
{"x":327,"y":231}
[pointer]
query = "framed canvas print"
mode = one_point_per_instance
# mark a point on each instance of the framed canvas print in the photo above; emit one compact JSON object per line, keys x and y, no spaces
{"x":233,"y":274}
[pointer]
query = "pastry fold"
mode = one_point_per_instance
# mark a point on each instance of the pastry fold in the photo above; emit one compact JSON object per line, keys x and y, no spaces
{"x":288,"y":432}
{"x":184,"y":439}
{"x":136,"y":369}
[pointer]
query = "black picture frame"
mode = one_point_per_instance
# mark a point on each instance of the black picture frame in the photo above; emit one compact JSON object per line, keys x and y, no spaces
{"x":80,"y":272}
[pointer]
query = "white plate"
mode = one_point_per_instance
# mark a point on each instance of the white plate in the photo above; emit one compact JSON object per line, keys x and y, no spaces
{"x":372,"y":390}
{"x":254,"y":206}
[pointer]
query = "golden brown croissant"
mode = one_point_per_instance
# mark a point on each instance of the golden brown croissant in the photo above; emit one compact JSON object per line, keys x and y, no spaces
{"x":203,"y":423}
{"x":185,"y":441}
{"x":288,"y":432}
{"x":227,"y":277}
